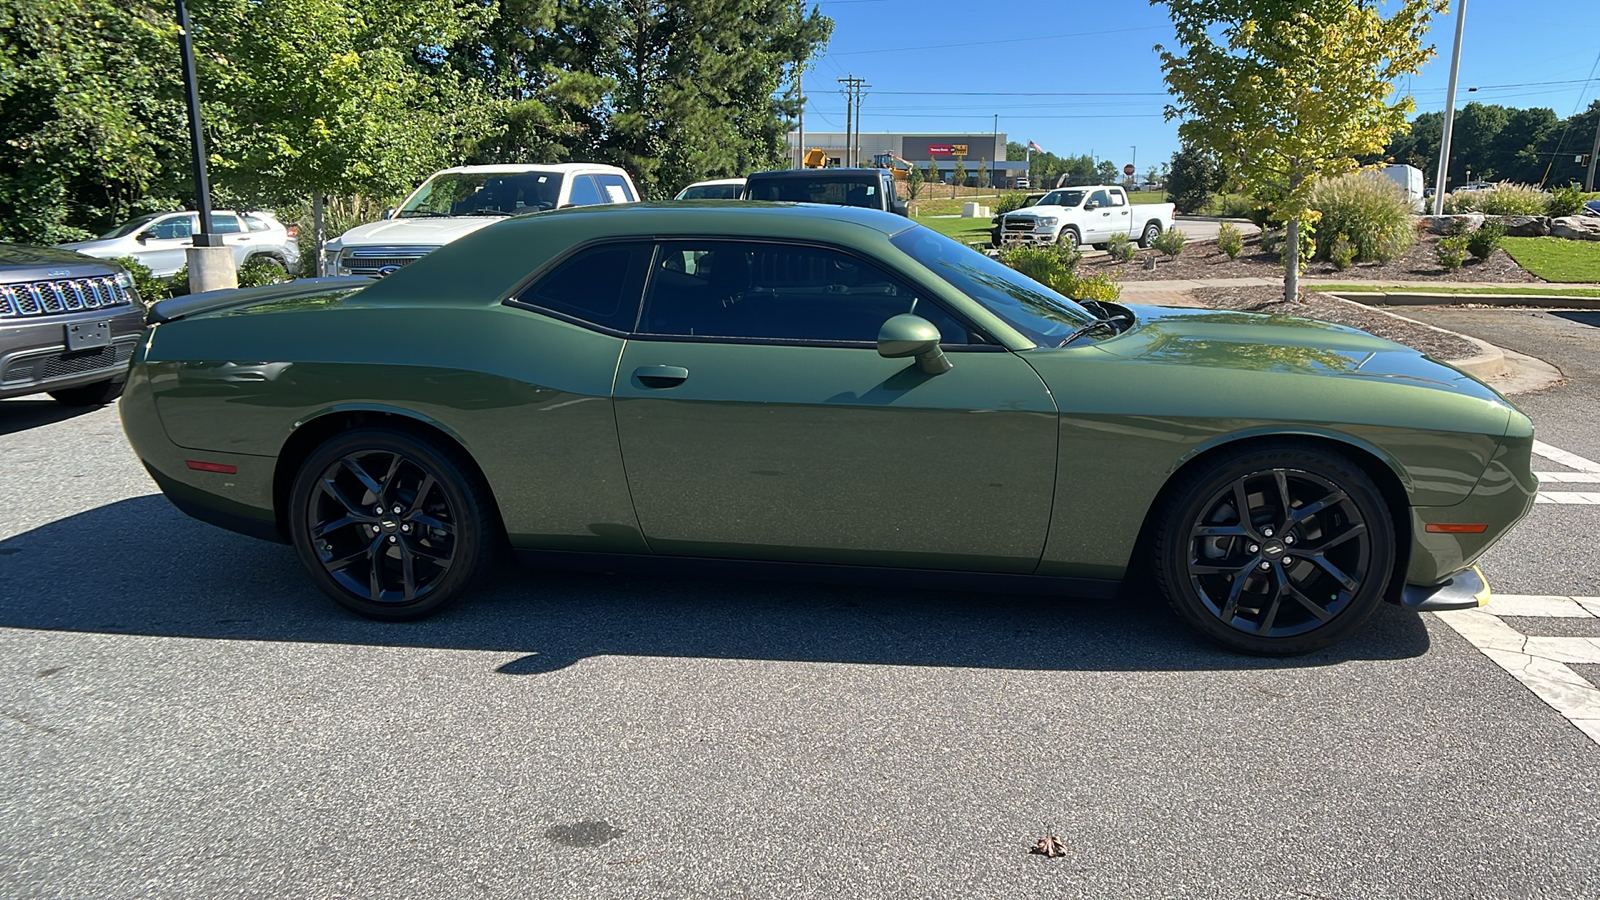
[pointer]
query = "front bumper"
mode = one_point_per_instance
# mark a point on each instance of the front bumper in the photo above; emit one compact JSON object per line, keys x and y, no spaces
{"x":34,"y":356}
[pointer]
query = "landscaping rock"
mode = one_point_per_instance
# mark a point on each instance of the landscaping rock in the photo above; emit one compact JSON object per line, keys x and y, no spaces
{"x":1457,"y":224}
{"x":1576,"y":228}
{"x":1526,"y":226}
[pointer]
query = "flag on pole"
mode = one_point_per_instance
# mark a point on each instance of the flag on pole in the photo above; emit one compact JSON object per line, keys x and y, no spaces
{"x":1035,"y":147}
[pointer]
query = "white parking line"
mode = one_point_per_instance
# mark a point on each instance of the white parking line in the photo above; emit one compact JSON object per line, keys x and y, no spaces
{"x":1570,"y":460}
{"x":1577,"y":497}
{"x":1540,"y":663}
{"x":1568,"y":477}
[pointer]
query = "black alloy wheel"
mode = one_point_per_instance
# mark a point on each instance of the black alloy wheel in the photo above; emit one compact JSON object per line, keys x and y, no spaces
{"x":1068,"y":237}
{"x":1148,"y":238}
{"x":1277,"y":552}
{"x":390,"y":524}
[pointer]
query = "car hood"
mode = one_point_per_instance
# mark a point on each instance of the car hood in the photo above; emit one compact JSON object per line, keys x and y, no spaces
{"x":1257,"y":342}
{"x":1038,"y":211}
{"x":419,"y":232}
{"x":23,"y":262}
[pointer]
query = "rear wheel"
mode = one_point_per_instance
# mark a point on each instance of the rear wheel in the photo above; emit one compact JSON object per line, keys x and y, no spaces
{"x":1276,"y":551}
{"x":1147,"y":238}
{"x":391,"y":525}
{"x":98,"y":394}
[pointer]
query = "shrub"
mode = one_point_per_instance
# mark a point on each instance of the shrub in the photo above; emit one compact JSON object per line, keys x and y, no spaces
{"x":1482,"y":243}
{"x":1369,"y":211}
{"x":1236,"y":206}
{"x":1009,"y":201}
{"x":1504,"y":199}
{"x":1170,"y":242}
{"x":1230,"y":240}
{"x":1092,"y":287}
{"x":180,"y":281}
{"x":149,"y":288}
{"x":1341,"y":252}
{"x":1053,"y":267}
{"x":1564,"y":201}
{"x":1452,"y":251}
{"x":258,"y":272}
{"x":1194,"y":175}
{"x":1120,"y":248}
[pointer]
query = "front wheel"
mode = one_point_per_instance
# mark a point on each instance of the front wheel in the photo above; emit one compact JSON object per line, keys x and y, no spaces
{"x":1276,"y":552}
{"x":391,"y":525}
{"x":98,"y":394}
{"x":1068,"y":238}
{"x":1147,"y":239}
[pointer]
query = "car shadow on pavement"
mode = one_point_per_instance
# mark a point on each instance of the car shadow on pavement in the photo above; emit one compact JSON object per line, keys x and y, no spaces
{"x":1582,"y":317}
{"x":140,"y":567}
{"x":21,"y":415}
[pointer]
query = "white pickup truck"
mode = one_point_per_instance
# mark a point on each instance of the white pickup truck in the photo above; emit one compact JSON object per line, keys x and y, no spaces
{"x":1090,"y":214}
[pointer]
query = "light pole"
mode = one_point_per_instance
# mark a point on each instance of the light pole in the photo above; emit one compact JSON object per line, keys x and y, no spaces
{"x":210,"y":260}
{"x":1449,"y":113}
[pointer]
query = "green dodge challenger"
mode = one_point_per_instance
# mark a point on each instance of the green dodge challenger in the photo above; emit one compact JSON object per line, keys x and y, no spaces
{"x":822,"y":387}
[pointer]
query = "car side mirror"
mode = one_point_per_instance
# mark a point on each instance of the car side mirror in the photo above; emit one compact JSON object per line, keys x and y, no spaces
{"x":388,"y":213}
{"x":142,"y":237}
{"x":1092,"y":204}
{"x":901,"y":208}
{"x":908,"y":335}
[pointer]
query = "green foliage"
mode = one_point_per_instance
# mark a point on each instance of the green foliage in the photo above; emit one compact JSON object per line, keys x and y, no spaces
{"x":1452,"y":251}
{"x":1498,"y":143}
{"x":1195,"y":174}
{"x":913,"y":182}
{"x":1369,"y":211}
{"x":1120,"y":248}
{"x":934,"y":175}
{"x":1286,"y":92}
{"x":983,"y":172}
{"x":149,"y":288}
{"x":1341,"y":252}
{"x":1230,"y":240}
{"x":1565,"y":201}
{"x":1090,"y":287}
{"x":1556,"y":259}
{"x":1483,"y":242}
{"x":1106,"y":172}
{"x":1170,"y":242}
{"x":258,"y":272}
{"x":179,"y":285}
{"x":1238,"y":206}
{"x":1504,"y":199}
{"x":1056,"y":268}
{"x":959,"y":177}
{"x":1045,"y":168}
{"x":1011,"y":200}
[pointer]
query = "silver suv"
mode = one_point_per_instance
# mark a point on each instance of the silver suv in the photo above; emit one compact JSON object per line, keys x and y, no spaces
{"x":68,"y":325}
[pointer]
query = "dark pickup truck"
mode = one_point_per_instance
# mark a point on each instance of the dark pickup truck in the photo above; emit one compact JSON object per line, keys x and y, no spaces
{"x":68,"y":325}
{"x":867,"y":188}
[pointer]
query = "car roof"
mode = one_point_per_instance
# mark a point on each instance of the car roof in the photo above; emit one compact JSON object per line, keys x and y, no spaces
{"x":511,"y":169}
{"x":831,"y":172}
{"x":715,"y":181}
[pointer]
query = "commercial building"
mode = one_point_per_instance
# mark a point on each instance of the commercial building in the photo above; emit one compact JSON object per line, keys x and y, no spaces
{"x":987,"y":149}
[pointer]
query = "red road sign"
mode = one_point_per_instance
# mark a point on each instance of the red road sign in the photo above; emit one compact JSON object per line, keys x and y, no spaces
{"x":1128,"y":170}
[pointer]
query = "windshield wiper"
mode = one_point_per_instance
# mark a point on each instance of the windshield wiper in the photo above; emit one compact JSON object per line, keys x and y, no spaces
{"x":1096,"y":325}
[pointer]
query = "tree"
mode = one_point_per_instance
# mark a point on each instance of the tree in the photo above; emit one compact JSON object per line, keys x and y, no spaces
{"x":934,"y":175}
{"x":1289,"y":91}
{"x":960,"y":179}
{"x":1152,"y":175}
{"x":1194,"y":175}
{"x":913,"y":182}
{"x":1105,"y":172}
{"x":983,"y":172}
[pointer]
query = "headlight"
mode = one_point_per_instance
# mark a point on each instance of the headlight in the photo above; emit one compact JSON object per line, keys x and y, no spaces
{"x":330,"y":261}
{"x":124,"y":280}
{"x":1049,"y":221}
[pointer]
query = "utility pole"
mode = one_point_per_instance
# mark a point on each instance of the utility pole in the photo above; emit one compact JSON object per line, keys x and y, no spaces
{"x":852,"y":116}
{"x":800,"y":96}
{"x":210,"y":260}
{"x":1135,"y":162}
{"x":1449,"y":113}
{"x":1588,"y":180}
{"x":857,"y":144}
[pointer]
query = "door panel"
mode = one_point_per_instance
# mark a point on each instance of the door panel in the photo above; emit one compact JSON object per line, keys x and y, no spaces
{"x":837,"y":455}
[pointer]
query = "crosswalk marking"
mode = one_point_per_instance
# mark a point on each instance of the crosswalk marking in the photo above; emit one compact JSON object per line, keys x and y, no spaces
{"x":1539,"y":663}
{"x":1577,"y":497}
{"x":1588,"y":473}
{"x":1568,"y":477}
{"x":1570,"y":460}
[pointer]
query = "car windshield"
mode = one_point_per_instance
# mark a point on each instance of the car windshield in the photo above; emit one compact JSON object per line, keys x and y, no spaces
{"x":712,"y":192}
{"x":130,"y":226}
{"x":484,"y":194}
{"x":821,"y":189}
{"x":1038,"y":313}
{"x":1062,"y":198}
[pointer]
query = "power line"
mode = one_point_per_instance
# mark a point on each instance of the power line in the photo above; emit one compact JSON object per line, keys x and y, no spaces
{"x":1042,"y":37}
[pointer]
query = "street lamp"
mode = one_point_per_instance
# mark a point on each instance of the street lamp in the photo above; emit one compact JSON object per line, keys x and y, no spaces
{"x":210,"y":260}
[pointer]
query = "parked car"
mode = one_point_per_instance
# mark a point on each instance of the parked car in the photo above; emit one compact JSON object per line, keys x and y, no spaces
{"x":459,"y":201}
{"x":1092,"y":214}
{"x":718,"y":189}
{"x":817,"y":386}
{"x":868,"y":188}
{"x":159,"y":240}
{"x":68,"y":325}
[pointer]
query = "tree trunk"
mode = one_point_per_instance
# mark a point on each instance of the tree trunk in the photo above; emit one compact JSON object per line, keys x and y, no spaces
{"x":1291,"y":261}
{"x":319,"y":234}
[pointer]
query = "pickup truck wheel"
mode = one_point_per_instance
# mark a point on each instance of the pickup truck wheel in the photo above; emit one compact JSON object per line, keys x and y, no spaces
{"x":1068,"y":237}
{"x":1152,"y":230}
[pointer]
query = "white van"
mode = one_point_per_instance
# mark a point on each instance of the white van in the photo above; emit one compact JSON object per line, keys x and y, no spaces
{"x":1410,"y":180}
{"x":459,"y":201}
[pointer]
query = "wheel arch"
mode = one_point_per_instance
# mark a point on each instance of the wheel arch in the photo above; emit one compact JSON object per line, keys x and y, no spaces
{"x":1384,"y":471}
{"x":314,"y":430}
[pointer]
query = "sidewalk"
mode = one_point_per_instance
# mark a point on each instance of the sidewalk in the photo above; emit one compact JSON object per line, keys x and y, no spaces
{"x":1179,"y":291}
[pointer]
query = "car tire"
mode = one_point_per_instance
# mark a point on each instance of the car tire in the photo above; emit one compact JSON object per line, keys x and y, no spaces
{"x":372,"y":560}
{"x":98,"y":394}
{"x":1069,"y":237}
{"x":1316,"y":522}
{"x":1147,"y":238}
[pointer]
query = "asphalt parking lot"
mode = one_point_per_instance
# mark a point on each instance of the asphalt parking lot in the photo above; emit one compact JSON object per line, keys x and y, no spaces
{"x":181,"y":714}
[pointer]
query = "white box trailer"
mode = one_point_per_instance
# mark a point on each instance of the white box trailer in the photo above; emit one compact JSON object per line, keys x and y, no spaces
{"x":1410,"y":180}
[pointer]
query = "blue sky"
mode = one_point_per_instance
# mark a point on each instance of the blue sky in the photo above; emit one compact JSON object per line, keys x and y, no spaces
{"x":934,"y":66}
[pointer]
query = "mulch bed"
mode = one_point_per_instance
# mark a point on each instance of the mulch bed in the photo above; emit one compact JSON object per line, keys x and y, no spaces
{"x":1264,"y":299}
{"x":1206,"y":261}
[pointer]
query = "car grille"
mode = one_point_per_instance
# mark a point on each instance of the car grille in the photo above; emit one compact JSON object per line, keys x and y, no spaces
{"x":55,"y":364}
{"x":1019,"y":223}
{"x":377,"y":262}
{"x":53,"y":298}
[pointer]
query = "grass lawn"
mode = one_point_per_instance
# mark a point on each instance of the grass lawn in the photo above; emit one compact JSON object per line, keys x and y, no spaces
{"x":1555,"y":259}
{"x":964,"y":230}
{"x":1525,"y":289}
{"x":1147,"y":196}
{"x":944,"y":206}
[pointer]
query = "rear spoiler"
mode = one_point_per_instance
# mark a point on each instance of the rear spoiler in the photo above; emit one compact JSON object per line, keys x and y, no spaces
{"x":211,"y":301}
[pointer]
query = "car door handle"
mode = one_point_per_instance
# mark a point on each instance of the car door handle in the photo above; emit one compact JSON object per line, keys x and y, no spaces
{"x":661,"y":376}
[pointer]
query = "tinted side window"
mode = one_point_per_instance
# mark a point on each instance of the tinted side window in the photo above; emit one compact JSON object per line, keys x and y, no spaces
{"x":174,"y":228}
{"x":779,"y":292}
{"x":818,"y":190}
{"x":584,"y":193}
{"x":1099,"y":197}
{"x":225,"y":223}
{"x":1118,"y":199}
{"x":600,"y":284}
{"x":257,"y":223}
{"x":615,"y":188}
